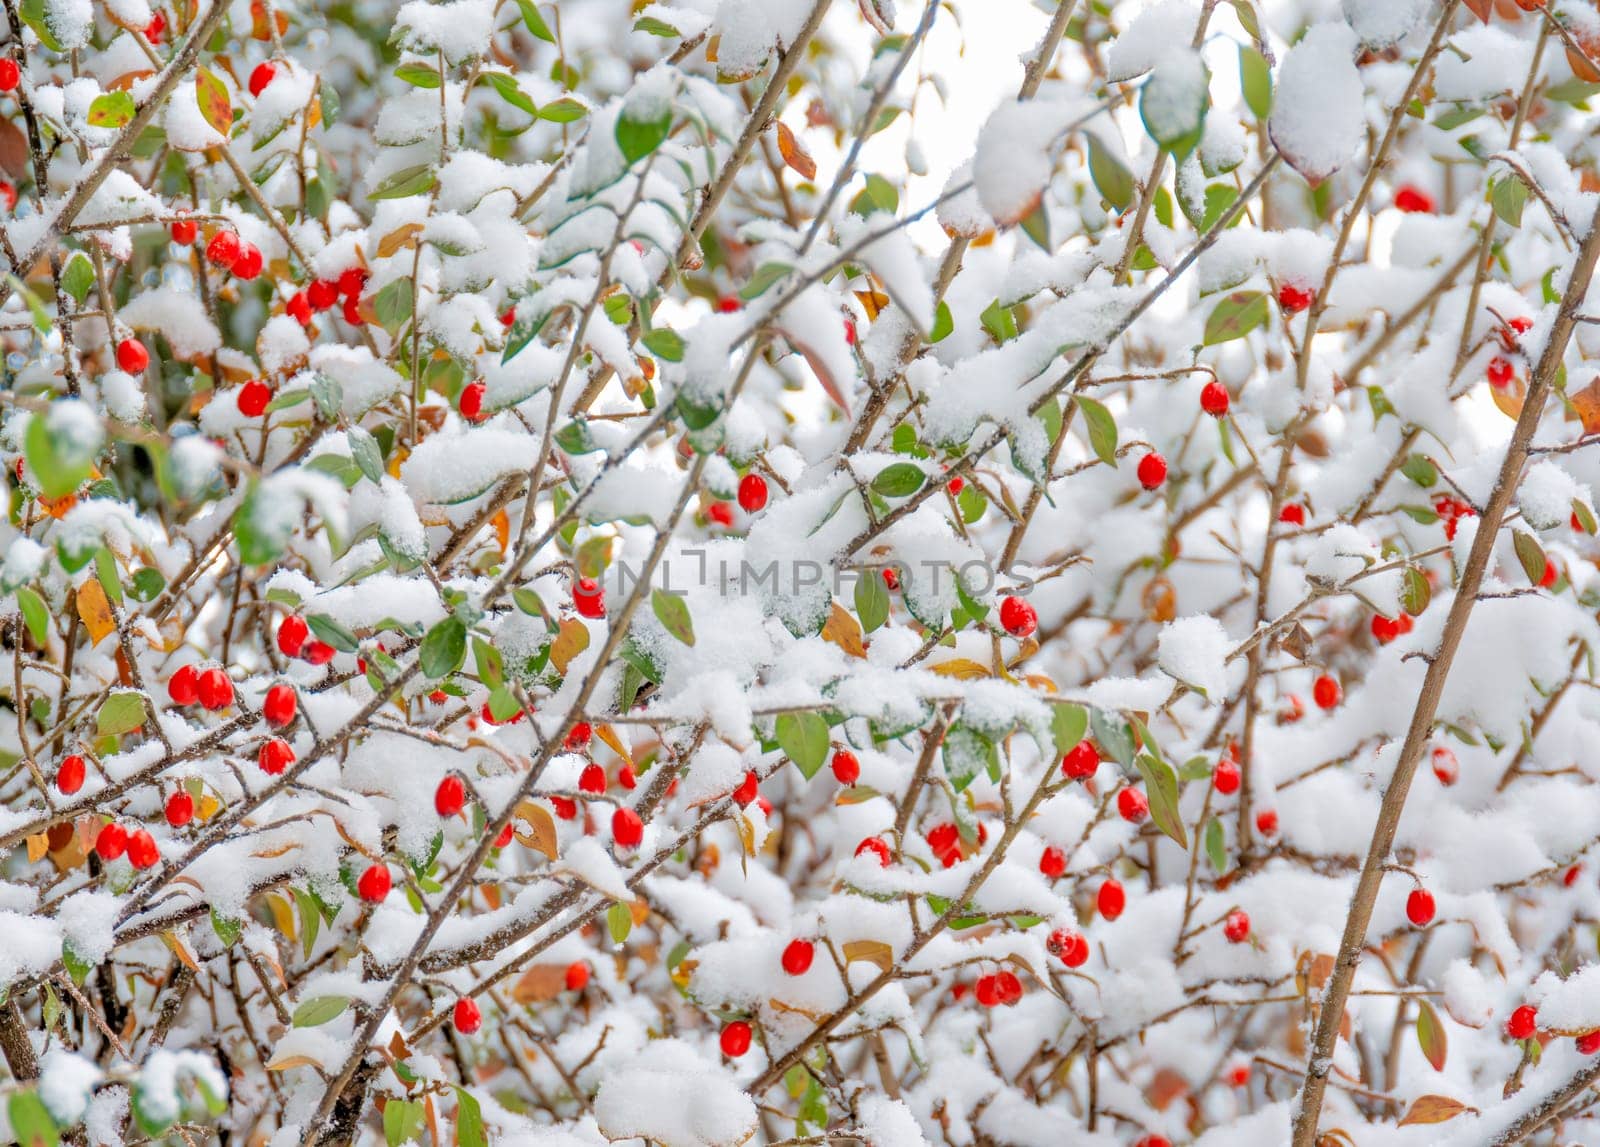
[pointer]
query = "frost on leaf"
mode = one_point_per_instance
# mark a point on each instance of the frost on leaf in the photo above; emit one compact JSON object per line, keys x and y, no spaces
{"x":1317,"y":121}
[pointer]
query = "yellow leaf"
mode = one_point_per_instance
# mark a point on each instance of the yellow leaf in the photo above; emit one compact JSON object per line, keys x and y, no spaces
{"x":1434,"y":1109}
{"x":962,"y":669}
{"x":502,"y":530}
{"x":872,"y":951}
{"x":283,"y":915}
{"x":284,"y":1063}
{"x":38,"y":847}
{"x":613,"y":742}
{"x":95,"y":610}
{"x":541,"y":834}
{"x":399,"y":239}
{"x":571,"y":641}
{"x":844,"y":631}
{"x":180,"y":950}
{"x":215,"y":105}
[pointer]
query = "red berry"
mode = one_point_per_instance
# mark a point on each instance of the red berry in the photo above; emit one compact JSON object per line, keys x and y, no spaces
{"x":375,"y":883}
{"x":1052,"y":862}
{"x":1404,"y":623}
{"x":1018,"y":617}
{"x":797,"y":957}
{"x":10,"y":74}
{"x":505,"y":836}
{"x":728,"y":304}
{"x":322,"y":294}
{"x":184,"y":685}
{"x":748,"y":790}
{"x":253,"y":398}
{"x":180,"y":809}
{"x":1133,"y":805}
{"x":627,"y":778}
{"x":1225,"y":777}
{"x":215,"y":689}
{"x":352,"y":281}
{"x":578,"y":736}
{"x":846,"y":769}
{"x":279,"y":706}
{"x":132,"y":357}
{"x":592,"y":780}
{"x":1523,"y":1022}
{"x":1445,"y":765}
{"x":577,"y":976}
{"x":184,"y":231}
{"x":471,"y":401}
{"x":1551,"y":572}
{"x":877,"y":848}
{"x":721,"y":513}
{"x":1237,"y":926}
{"x":275,"y":756}
{"x":987,"y":991}
{"x":249,"y":263}
{"x":1081,"y":761}
{"x":589,"y":598}
{"x":566,"y":808}
{"x":891,"y":579}
{"x":1325,"y":692}
{"x":450,"y":797}
{"x":8,"y":195}
{"x":1589,"y":1042}
{"x":752,"y":493}
{"x":1239,"y":1075}
{"x":298,"y":308}
{"x":956,"y":485}
{"x":318,"y":652}
{"x":735,"y":1039}
{"x":1267,"y":822}
{"x":1294,"y":299}
{"x":292,"y":634}
{"x":70,"y":775}
{"x":1152,"y":471}
{"x":1153,"y":1141}
{"x":1068,"y":946}
{"x":261,"y":76}
{"x":466,"y":1016}
{"x":508,"y":317}
{"x":1111,"y":899}
{"x":1500,"y":372}
{"x":1413,"y":200}
{"x":626,"y":828}
{"x":142,"y":850}
{"x":1293,"y":514}
{"x":111,"y":842}
{"x":1420,"y":907}
{"x":352,"y":312}
{"x":1570,"y":876}
{"x":1008,"y":987}
{"x":1293,"y":709}
{"x":1214,"y":399}
{"x":943,"y":839}
{"x":157,"y":28}
{"x":223,"y":249}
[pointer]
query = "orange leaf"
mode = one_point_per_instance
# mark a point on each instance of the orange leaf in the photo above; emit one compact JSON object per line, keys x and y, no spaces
{"x":541,"y":834}
{"x":502,"y":530}
{"x":1586,"y":403}
{"x":571,"y":641}
{"x":872,"y":951}
{"x":95,"y":610}
{"x":38,"y":846}
{"x":844,"y":631}
{"x":609,"y":735}
{"x":962,"y":669}
{"x":540,"y":983}
{"x":215,"y":104}
{"x":794,"y":153}
{"x":1434,"y":1109}
{"x":400,"y":239}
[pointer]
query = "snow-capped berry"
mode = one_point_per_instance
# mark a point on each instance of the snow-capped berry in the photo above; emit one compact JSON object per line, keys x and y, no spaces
{"x":214,"y":689}
{"x":1523,"y":1023}
{"x":1214,"y":399}
{"x":180,"y":809}
{"x":1589,"y":1042}
{"x":1293,"y":299}
{"x":1018,"y":617}
{"x":1133,"y":805}
{"x":752,"y":493}
{"x":222,"y":250}
{"x":578,"y":736}
{"x":353,"y":280}
{"x":565,"y":807}
{"x":1111,"y":899}
{"x":1081,"y":761}
{"x":589,"y":598}
{"x":374,"y":884}
{"x":10,"y":74}
{"x":450,"y":797}
{"x":184,"y":231}
{"x":322,"y":294}
{"x":249,"y":263}
{"x":797,"y":957}
{"x":466,"y":1016}
{"x":142,"y":850}
{"x":627,"y":778}
{"x":1420,"y":907}
{"x":261,"y":75}
{"x":876,"y":848}
{"x":292,"y":634}
{"x":721,"y":513}
{"x":846,"y":768}
{"x":592,"y":780}
{"x":1500,"y":372}
{"x":626,"y":828}
{"x":1292,"y":514}
{"x":1225,"y":778}
{"x":1267,"y":822}
{"x":254,"y":396}
{"x":1236,"y":927}
{"x":1413,"y":200}
{"x":506,"y":835}
{"x":183,"y":687}
{"x":70,"y":774}
{"x":1384,"y":629}
{"x":111,"y":842}
{"x":1325,"y":692}
{"x":275,"y":756}
{"x":132,"y":356}
{"x":735,"y":1039}
{"x":298,"y":308}
{"x":278,"y":709}
{"x":1152,"y":471}
{"x":748,"y":789}
{"x":470,"y":403}
{"x":1052,"y":862}
{"x":577,"y":977}
{"x":318,"y":652}
{"x":1068,"y":946}
{"x":1445,"y":765}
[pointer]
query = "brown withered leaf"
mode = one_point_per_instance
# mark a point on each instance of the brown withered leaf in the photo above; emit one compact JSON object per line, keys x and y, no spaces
{"x":1434,"y":1109}
{"x":609,"y":737}
{"x":1586,"y":404}
{"x":284,"y":1063}
{"x":1159,"y":599}
{"x":571,"y":641}
{"x":14,"y":157}
{"x":180,"y":950}
{"x":541,"y":833}
{"x":401,"y":238}
{"x":1509,"y":397}
{"x":38,"y":847}
{"x":844,"y":631}
{"x":872,"y":951}
{"x":794,"y":153}
{"x":540,"y":983}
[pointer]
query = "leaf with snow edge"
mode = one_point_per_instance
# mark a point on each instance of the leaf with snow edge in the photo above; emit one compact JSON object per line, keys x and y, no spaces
{"x":673,"y":614}
{"x":1431,"y":1035}
{"x":1585,"y":517}
{"x":803,"y":737}
{"x":899,"y":480}
{"x":523,"y":331}
{"x":1531,"y":554}
{"x":1102,"y":429}
{"x":1317,"y":121}
{"x":122,"y":712}
{"x":1112,"y":735}
{"x":111,"y":110}
{"x":326,"y":629}
{"x":1420,"y":469}
{"x":1111,"y":176}
{"x":77,"y":278}
{"x":402,"y":1120}
{"x":1068,"y":724}
{"x":642,"y":129}
{"x":216,"y":106}
{"x":871,"y":599}
{"x":1235,"y":316}
{"x":654,"y":27}
{"x":419,"y":75}
{"x":765,"y":276}
{"x":316,"y":1012}
{"x":444,"y":648}
{"x":368,"y":456}
{"x":1415,"y":593}
{"x":966,"y":753}
{"x":406,"y":182}
{"x":1173,"y":102}
{"x":1161,"y":788}
{"x":943,"y":324}
{"x":61,"y":446}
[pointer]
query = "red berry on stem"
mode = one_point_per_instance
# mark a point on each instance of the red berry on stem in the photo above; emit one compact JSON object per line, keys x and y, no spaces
{"x":891,"y":579}
{"x":450,"y":797}
{"x":249,"y":263}
{"x":1523,"y":1023}
{"x":260,"y":76}
{"x":142,"y":850}
{"x":566,"y":808}
{"x":253,"y":398}
{"x":846,"y":768}
{"x":1225,"y":777}
{"x":111,"y":842}
{"x":223,"y":249}
{"x":1008,"y":987}
{"x":1500,"y":372}
{"x":1292,"y":514}
{"x":375,"y":883}
{"x":8,"y":195}
{"x":466,"y":1016}
{"x":728,"y":304}
{"x":184,"y":685}
{"x":987,"y":991}
{"x":215,"y":689}
{"x":1018,"y":617}
{"x":877,"y":848}
{"x":1413,"y":200}
{"x":1445,"y":765}
{"x":471,"y":401}
{"x":589,"y":598}
{"x":279,"y":706}
{"x":292,"y":634}
{"x":180,"y":809}
{"x":322,"y":294}
{"x":184,"y":231}
{"x":578,"y":736}
{"x":1111,"y":899}
{"x":1293,"y":299}
{"x":352,"y":281}
{"x":797,"y":957}
{"x":10,"y":74}
{"x":505,"y":837}
{"x":748,"y":790}
{"x":577,"y":976}
{"x":735,"y":1039}
{"x":1068,"y":946}
{"x":1153,"y":1141}
{"x":1052,"y":862}
{"x":319,"y":652}
{"x":721,"y":513}
{"x":275,"y":756}
{"x":752,"y":493}
{"x":157,"y":28}
{"x":1325,"y":692}
{"x":1420,"y":907}
{"x":1589,"y":1042}
{"x":298,"y":308}
{"x":1267,"y":822}
{"x":592,"y":780}
{"x":1152,"y":471}
{"x":132,"y":357}
{"x":1384,"y":629}
{"x":626,"y":828}
{"x":1133,"y":805}
{"x":1214,"y":399}
{"x":70,"y":774}
{"x":1237,"y":926}
{"x":1081,"y":761}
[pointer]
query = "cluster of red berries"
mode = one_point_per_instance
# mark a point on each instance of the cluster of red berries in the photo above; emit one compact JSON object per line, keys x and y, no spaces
{"x":999,"y":989}
{"x":1451,"y":510}
{"x":211,"y":687}
{"x":113,"y":841}
{"x":1068,"y":946}
{"x":945,"y":840}
{"x":228,"y":252}
{"x":1386,"y":629}
{"x":295,"y":640}
{"x":321,"y":294}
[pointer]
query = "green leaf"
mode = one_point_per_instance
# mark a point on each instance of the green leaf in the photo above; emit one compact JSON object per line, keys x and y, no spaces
{"x":1585,"y":516}
{"x":402,"y":1121}
{"x":899,"y":480}
{"x":967,"y":753}
{"x":486,"y":658}
{"x":619,"y":922}
{"x":506,"y":88}
{"x":444,"y":648}
{"x":1172,"y":108}
{"x":523,"y":332}
{"x":534,"y":21}
{"x":1431,"y":1035}
{"x":1217,"y":845}
{"x":1508,"y":196}
{"x":122,"y":712}
{"x":105,"y":568}
{"x":803,"y":737}
{"x":364,"y":449}
{"x":639,"y":137}
{"x":325,"y":628}
{"x":31,"y":1122}
{"x":575,"y":438}
{"x":1530,"y":554}
{"x":1102,"y":429}
{"x":673,"y":613}
{"x":564,"y":110}
{"x":1235,"y":316}
{"x":872,"y":600}
{"x":1161,"y":787}
{"x":393,"y":304}
{"x":877,"y":195}
{"x":999,"y":322}
{"x":766,"y":275}
{"x":1255,"y":78}
{"x":654,"y":27}
{"x":1420,"y":470}
{"x":146,"y":584}
{"x":663,"y":342}
{"x":405,"y":182}
{"x":943,"y":324}
{"x":1111,"y":177}
{"x":77,"y":277}
{"x":469,"y":1114}
{"x":111,"y":109}
{"x":316,"y":1012}
{"x":60,"y":462}
{"x":1112,"y":735}
{"x":228,"y":930}
{"x":1415,"y":592}
{"x":1068,"y":724}
{"x":419,"y":75}
{"x":35,"y":614}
